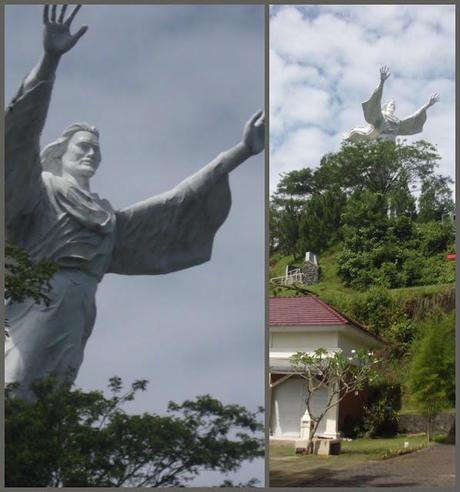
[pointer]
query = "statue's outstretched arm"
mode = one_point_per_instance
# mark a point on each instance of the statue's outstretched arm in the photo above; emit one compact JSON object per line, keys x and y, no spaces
{"x":175,"y":230}
{"x":252,"y":143}
{"x":431,"y":102}
{"x":413,"y":124}
{"x":25,"y":116}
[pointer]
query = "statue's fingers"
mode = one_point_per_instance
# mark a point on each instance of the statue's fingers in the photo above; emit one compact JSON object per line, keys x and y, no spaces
{"x":53,"y":13}
{"x":61,"y":16}
{"x":79,"y":34}
{"x":72,"y":15}
{"x":46,"y":14}
{"x":255,"y":117}
{"x":261,"y":121}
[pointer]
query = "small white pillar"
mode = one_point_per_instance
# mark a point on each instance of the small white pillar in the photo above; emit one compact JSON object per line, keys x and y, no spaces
{"x":305,"y":423}
{"x":332,"y":416}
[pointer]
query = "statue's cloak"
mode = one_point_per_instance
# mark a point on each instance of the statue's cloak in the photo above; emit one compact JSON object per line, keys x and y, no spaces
{"x":52,"y":218}
{"x":372,"y":110}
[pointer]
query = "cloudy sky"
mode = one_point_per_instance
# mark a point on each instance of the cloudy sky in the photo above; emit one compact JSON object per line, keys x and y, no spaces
{"x":324,"y":61}
{"x":169,"y":87}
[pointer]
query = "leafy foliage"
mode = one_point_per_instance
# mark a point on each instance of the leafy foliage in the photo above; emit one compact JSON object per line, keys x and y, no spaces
{"x":319,"y":223}
{"x":381,"y":411}
{"x":25,"y":279}
{"x":339,"y":373}
{"x":363,"y":196}
{"x":431,"y":379}
{"x":71,"y":438}
{"x":391,"y":251}
{"x":435,"y":199}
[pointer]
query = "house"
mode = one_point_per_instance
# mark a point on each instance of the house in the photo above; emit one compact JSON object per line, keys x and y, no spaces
{"x":304,"y":324}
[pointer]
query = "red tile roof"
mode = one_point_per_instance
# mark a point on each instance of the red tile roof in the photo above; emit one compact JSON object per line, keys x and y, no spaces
{"x":303,"y":311}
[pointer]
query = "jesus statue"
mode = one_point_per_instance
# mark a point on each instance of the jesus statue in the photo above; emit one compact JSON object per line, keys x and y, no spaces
{"x":52,"y":213}
{"x":383,"y":124}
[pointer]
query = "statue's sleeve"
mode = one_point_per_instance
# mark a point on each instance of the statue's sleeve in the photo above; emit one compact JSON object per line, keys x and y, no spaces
{"x":24,"y":122}
{"x":174,"y":230}
{"x":372,"y":108}
{"x":413,"y":124}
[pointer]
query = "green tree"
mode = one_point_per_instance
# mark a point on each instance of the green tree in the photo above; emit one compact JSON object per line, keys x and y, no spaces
{"x":339,"y":373}
{"x":297,"y":184}
{"x":378,"y":167}
{"x":287,"y":232}
{"x":431,"y":377}
{"x":25,"y":279}
{"x":320,"y":222}
{"x":435,"y":198}
{"x":71,"y":438}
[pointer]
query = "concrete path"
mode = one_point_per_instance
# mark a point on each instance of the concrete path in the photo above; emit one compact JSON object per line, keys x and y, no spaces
{"x":431,"y":467}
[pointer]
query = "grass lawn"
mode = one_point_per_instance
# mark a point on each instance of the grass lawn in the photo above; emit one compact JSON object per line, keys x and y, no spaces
{"x":286,"y":465}
{"x":363,"y":449}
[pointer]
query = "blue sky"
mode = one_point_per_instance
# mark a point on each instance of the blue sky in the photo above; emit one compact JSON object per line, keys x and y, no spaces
{"x":324,"y":61}
{"x":169,"y":87}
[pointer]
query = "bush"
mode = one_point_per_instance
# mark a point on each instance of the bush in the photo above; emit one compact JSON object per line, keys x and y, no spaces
{"x":381,"y":412}
{"x":376,"y":309}
{"x":435,"y":237}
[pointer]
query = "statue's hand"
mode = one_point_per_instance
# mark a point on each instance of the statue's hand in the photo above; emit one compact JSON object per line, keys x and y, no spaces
{"x":254,"y":133}
{"x":56,"y":36}
{"x":384,"y":73}
{"x":433,"y":99}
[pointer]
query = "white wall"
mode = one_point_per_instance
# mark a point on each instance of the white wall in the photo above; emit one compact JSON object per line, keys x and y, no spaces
{"x":302,"y":341}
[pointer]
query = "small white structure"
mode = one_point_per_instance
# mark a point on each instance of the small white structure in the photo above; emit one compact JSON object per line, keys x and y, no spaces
{"x":307,"y":274}
{"x":304,"y":324}
{"x":310,"y":269}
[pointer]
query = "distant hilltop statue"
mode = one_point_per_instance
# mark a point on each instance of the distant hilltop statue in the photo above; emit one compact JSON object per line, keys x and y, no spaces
{"x":381,"y":119}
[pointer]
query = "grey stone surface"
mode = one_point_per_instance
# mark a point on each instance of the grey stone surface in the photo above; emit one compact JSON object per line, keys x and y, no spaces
{"x":413,"y":424}
{"x":52,"y":213}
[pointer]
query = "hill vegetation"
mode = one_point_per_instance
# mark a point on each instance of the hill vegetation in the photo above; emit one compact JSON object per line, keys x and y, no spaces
{"x":381,"y":220}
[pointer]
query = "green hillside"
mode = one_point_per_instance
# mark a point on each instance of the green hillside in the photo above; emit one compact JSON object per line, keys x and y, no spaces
{"x":332,"y":290}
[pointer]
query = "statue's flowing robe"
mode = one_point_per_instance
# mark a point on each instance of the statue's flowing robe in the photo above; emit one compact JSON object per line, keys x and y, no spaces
{"x":54,"y":219}
{"x":384,"y":126}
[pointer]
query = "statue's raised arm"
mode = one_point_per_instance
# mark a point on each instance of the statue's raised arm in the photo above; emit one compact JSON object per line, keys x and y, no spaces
{"x":25,"y":116}
{"x":372,"y":108}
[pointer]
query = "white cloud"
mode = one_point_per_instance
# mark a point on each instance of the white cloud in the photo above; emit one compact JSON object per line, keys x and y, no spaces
{"x":324,"y":61}
{"x":301,"y":148}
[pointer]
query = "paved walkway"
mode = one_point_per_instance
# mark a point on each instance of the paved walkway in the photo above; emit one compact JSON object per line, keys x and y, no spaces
{"x":430,"y":467}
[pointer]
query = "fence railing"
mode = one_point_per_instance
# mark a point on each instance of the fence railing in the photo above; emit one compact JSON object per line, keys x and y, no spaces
{"x":294,"y":277}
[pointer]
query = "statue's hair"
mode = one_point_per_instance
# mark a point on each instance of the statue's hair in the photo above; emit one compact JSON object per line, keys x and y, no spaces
{"x":51,"y":155}
{"x":385,"y":105}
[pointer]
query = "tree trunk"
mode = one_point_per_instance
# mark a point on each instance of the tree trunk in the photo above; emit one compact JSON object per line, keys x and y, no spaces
{"x":451,"y":434}
{"x":313,"y":427}
{"x":429,"y":420}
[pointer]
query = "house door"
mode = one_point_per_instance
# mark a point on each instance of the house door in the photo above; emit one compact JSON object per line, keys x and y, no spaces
{"x":288,"y":407}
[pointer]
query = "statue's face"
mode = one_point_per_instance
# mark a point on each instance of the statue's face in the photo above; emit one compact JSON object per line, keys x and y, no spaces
{"x":391,"y":106}
{"x":83,"y":156}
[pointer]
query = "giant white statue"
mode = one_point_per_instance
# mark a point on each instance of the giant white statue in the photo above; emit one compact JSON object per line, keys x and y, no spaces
{"x":381,"y":119}
{"x":52,"y":213}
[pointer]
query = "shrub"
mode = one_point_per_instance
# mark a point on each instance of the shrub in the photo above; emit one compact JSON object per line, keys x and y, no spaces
{"x":381,"y":412}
